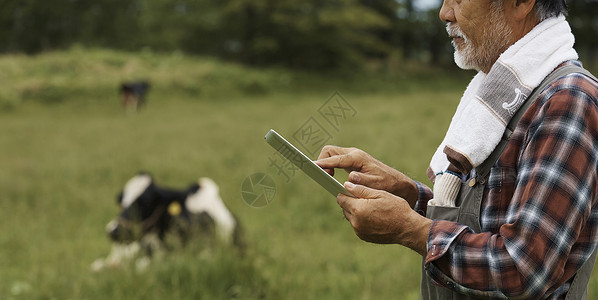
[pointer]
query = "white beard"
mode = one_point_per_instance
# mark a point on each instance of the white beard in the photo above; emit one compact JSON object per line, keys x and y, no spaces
{"x":496,"y":40}
{"x":463,"y":60}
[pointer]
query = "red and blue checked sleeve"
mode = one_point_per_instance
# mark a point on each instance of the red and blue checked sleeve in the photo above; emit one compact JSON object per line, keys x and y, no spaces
{"x":424,"y":195}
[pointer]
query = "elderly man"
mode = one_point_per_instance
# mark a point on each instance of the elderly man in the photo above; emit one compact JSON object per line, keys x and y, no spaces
{"x":513,"y":212}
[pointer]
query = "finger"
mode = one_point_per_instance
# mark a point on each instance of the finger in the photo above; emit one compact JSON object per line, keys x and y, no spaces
{"x":329,"y":156}
{"x":364,"y":179}
{"x":328,"y":162}
{"x":369,"y":180}
{"x":361,"y":191}
{"x":329,"y":170}
{"x":327,"y":152}
{"x":347,"y":215}
{"x":330,"y":150}
{"x":325,"y":165}
{"x":348,"y":204}
{"x":341,"y":161}
{"x":355,"y":177}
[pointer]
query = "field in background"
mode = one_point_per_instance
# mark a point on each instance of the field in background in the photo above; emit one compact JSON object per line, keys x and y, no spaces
{"x":67,"y":147}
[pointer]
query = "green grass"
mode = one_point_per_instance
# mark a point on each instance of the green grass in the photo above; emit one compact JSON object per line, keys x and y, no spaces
{"x":63,"y":165}
{"x":64,"y":158}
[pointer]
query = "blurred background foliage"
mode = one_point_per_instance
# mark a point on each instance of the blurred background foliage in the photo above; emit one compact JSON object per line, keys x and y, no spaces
{"x":308,"y":34}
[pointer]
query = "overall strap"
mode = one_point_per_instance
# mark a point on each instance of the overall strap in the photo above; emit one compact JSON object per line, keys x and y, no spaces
{"x":483,"y":170}
{"x":579,"y":286}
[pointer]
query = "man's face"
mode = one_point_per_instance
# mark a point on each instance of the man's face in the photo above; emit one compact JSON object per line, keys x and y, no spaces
{"x":479,"y":31}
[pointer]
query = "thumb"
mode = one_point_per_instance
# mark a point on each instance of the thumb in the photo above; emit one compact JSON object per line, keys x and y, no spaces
{"x":361,"y":191}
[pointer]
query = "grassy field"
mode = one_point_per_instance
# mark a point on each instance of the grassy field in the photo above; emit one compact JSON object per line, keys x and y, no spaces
{"x":67,"y":147}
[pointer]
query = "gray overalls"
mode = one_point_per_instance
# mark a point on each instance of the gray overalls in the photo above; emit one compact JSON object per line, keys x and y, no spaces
{"x":468,"y":202}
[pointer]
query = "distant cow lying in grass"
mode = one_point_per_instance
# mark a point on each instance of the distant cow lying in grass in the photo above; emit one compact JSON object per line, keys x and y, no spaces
{"x":152,"y":217}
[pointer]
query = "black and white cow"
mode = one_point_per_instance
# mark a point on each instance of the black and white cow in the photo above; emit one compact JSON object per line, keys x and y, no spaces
{"x":134,"y":95}
{"x":150,"y":215}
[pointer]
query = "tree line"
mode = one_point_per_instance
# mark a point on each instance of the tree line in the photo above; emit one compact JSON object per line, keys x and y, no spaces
{"x":314,"y":34}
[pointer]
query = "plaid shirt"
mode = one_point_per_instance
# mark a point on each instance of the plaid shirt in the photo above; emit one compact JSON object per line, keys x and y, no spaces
{"x":538,"y":216}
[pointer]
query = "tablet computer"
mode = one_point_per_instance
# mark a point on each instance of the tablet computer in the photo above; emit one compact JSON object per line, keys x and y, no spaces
{"x":305,"y":164}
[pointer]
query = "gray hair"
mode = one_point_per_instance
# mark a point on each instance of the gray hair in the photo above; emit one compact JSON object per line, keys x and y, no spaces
{"x":549,"y":8}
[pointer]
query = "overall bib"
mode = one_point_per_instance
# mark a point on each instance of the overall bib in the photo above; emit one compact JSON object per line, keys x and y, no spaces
{"x":468,"y":204}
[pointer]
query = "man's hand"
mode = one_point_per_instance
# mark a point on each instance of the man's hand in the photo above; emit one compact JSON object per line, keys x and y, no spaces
{"x":380,"y":217}
{"x":365,"y":170}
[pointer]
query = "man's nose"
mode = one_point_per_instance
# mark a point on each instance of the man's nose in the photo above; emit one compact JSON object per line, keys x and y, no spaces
{"x":447,"y":12}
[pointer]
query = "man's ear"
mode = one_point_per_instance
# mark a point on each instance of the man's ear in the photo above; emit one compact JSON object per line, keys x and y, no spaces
{"x":520,"y":9}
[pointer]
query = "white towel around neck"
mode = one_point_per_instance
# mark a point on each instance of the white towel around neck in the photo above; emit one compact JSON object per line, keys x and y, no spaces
{"x":491,"y":100}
